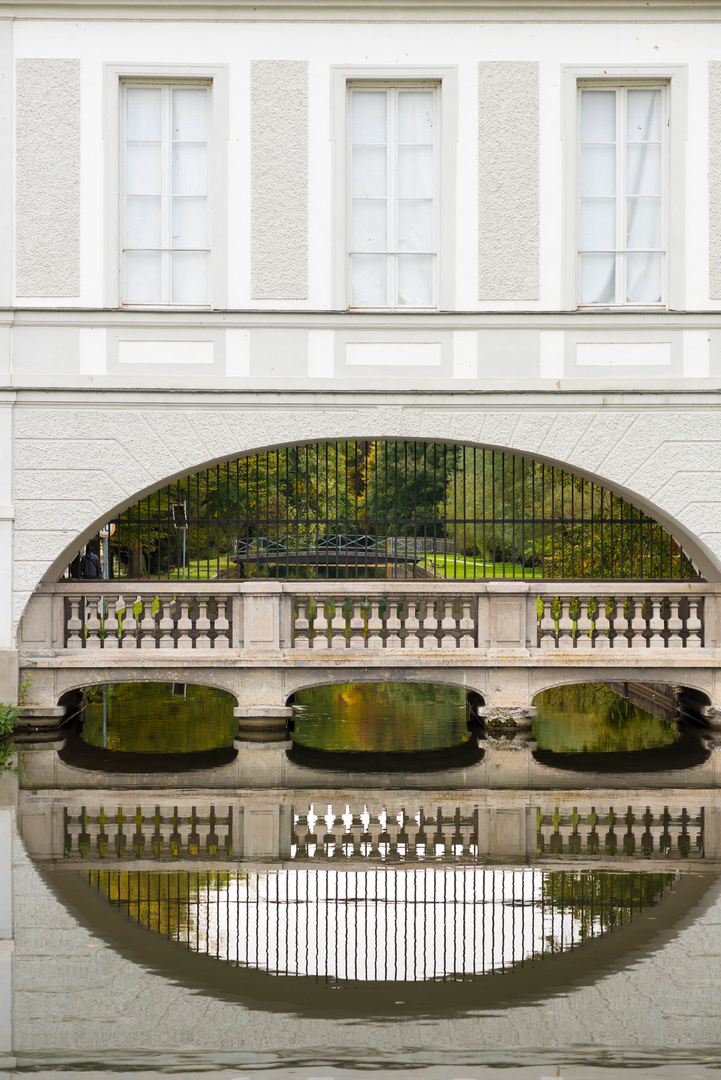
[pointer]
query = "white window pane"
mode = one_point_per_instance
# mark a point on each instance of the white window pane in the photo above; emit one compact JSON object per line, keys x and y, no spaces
{"x":598,"y":170}
{"x":190,"y":222}
{"x":415,"y":172}
{"x":143,"y":112}
{"x":415,"y":225}
{"x":369,"y":172}
{"x":190,"y":170}
{"x":598,"y":279}
{"x":368,"y":112}
{"x":189,"y":277}
{"x":190,"y":115}
{"x":643,"y":112}
{"x":643,"y":166}
{"x":369,"y":281}
{"x":142,"y":221}
{"x":143,"y":277}
{"x":369,"y":225}
{"x":643,"y":278}
{"x":598,"y":116}
{"x":415,"y":280}
{"x":415,"y":116}
{"x":598,"y":224}
{"x":643,"y":222}
{"x":142,"y":168}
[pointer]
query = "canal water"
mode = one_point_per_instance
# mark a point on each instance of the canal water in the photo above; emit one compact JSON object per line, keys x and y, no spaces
{"x":284,"y":934}
{"x":363,"y":717}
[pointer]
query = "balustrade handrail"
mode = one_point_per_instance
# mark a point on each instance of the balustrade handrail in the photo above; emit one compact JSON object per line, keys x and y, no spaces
{"x":380,"y":586}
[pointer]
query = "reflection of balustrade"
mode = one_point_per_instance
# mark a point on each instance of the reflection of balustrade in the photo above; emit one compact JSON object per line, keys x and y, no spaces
{"x":428,"y":622}
{"x":657,"y":620}
{"x":384,"y":835}
{"x":629,"y":833}
{"x":160,"y":833}
{"x":147,"y":620}
{"x":376,"y":832}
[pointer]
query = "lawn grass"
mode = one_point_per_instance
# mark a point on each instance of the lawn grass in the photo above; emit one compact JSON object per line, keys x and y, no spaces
{"x":463,"y":567}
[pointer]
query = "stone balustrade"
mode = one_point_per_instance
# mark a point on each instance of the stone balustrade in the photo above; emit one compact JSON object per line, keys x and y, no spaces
{"x":618,"y":831}
{"x":656,"y":618}
{"x":145,"y":620}
{"x":374,"y":617}
{"x":422,"y":621}
{"x":156,"y":832}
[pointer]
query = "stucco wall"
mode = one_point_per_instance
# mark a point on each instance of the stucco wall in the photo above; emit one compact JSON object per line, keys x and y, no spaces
{"x":77,"y":464}
{"x":48,"y":178}
{"x":279,"y":166}
{"x":508,"y":210}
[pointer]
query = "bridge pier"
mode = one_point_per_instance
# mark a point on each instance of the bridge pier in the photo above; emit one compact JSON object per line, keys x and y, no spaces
{"x":262,"y":723}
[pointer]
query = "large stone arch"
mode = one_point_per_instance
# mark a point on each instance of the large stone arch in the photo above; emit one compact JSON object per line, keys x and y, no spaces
{"x":78,"y":463}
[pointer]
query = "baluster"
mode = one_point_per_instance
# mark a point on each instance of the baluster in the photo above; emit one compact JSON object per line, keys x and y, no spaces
{"x":467,"y":625}
{"x":357,"y":626}
{"x":202,"y":625}
{"x":375,"y":627}
{"x":129,"y":638}
{"x":584,"y":626}
{"x":602,"y":640}
{"x":412,"y":626}
{"x":547,"y":625}
{"x":693,"y":625}
{"x":185,"y":624}
{"x":320,"y":623}
{"x":620,"y":624}
{"x":448,"y":625}
{"x":675,"y":625}
{"x":147,"y":625}
{"x":430,"y":625}
{"x":111,"y":625}
{"x":638,"y":623}
{"x":565,"y":625}
{"x":656,"y":624}
{"x":302,"y":625}
{"x":221,"y":624}
{"x":166,"y":624}
{"x":93,"y":623}
{"x":338,"y":627}
{"x":393,"y":625}
{"x":74,"y":624}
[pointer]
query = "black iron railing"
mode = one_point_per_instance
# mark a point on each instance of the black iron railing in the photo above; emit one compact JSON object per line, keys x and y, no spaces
{"x":386,"y":509}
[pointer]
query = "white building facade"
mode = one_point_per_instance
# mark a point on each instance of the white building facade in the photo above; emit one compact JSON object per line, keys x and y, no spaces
{"x":228,"y":226}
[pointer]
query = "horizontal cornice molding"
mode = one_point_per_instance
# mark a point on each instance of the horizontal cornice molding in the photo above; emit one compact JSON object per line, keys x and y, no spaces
{"x":369,"y":11}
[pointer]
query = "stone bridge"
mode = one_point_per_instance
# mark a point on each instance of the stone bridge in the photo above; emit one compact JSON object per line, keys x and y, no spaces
{"x":502,"y":641}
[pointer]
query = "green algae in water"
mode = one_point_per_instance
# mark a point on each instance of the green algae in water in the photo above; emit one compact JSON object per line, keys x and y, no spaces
{"x":591,"y":718}
{"x":147,"y":718}
{"x":380,"y":717}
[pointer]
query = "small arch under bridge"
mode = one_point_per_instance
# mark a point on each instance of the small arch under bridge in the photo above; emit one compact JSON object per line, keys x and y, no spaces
{"x":263,"y":640}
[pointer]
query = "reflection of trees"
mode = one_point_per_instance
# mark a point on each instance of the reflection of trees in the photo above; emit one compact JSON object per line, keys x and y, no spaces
{"x":381,"y":717}
{"x":601,"y":899}
{"x":588,"y":717}
{"x":146,"y":718}
{"x":159,"y":901}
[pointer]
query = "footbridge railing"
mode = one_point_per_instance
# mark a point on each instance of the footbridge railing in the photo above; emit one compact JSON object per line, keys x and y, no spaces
{"x":412,"y":618}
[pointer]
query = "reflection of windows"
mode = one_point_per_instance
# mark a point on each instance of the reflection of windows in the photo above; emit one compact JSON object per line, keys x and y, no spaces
{"x":622,"y":226}
{"x":393,"y":196}
{"x":165,"y":225}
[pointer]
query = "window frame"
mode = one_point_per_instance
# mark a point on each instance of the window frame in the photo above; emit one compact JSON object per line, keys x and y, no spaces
{"x":444,"y":81}
{"x":215,"y":78}
{"x":673,"y":80}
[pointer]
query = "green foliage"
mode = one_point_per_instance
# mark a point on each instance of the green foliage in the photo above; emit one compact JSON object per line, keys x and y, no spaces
{"x":9,"y":716}
{"x":502,"y":510}
{"x":603,"y":899}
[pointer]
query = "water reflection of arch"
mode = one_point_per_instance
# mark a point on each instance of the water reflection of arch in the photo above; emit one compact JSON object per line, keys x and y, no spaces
{"x":307,"y":995}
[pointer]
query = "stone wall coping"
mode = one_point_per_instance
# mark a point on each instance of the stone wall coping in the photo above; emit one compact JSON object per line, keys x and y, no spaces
{"x":378,"y":587}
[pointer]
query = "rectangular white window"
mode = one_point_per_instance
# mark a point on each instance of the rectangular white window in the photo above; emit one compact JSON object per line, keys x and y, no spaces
{"x":393,"y":197}
{"x":165,"y":226}
{"x":622,"y":225}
